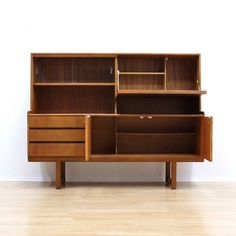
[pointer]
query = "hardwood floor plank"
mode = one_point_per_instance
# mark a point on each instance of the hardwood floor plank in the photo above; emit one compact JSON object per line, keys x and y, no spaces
{"x":124,"y":209}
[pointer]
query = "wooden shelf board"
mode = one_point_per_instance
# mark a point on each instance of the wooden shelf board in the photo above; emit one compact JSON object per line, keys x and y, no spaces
{"x":115,"y":115}
{"x":182,"y":92}
{"x":155,"y":134}
{"x":141,"y":73}
{"x":74,"y":84}
{"x":145,"y":157}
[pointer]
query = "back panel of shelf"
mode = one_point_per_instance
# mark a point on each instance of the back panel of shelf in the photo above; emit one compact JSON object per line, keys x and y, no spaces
{"x":136,"y":135}
{"x":103,"y":135}
{"x":182,"y":73}
{"x":157,"y":124}
{"x":157,"y":135}
{"x":156,"y":143}
{"x":141,"y":72}
{"x":158,"y":104}
{"x":141,"y":63}
{"x":92,"y":99}
{"x":74,"y":70}
{"x":141,"y":82}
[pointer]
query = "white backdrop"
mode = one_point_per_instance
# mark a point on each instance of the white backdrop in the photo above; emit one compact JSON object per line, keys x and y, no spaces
{"x":206,"y":27}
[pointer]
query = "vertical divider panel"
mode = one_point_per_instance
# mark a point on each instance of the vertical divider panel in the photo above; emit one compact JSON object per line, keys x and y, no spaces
{"x":32,"y":103}
{"x":199,"y":80}
{"x":87,"y":137}
{"x":116,"y":135}
{"x":199,"y":73}
{"x":165,"y":71}
{"x":116,"y":83}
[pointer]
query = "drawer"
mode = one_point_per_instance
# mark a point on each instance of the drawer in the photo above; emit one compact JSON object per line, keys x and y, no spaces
{"x":56,"y":135}
{"x":44,"y":121}
{"x":56,"y":149}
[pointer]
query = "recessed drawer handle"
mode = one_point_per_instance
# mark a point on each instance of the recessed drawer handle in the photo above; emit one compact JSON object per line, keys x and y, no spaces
{"x":141,"y":117}
{"x":149,"y":117}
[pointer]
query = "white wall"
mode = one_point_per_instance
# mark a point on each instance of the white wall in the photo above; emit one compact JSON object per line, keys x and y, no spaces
{"x":180,"y":26}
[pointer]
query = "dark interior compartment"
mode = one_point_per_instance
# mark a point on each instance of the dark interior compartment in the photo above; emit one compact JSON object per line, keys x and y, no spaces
{"x":103,"y":135}
{"x":162,"y":104}
{"x":67,"y":99}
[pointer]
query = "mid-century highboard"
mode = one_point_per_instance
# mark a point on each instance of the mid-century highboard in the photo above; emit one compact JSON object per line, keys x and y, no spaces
{"x":117,"y":108}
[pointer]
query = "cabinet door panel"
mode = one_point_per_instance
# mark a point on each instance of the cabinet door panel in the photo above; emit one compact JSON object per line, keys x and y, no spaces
{"x":206,"y":138}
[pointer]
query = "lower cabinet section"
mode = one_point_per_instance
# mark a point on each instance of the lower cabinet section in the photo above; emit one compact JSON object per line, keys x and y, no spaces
{"x":119,"y":138}
{"x":151,"y":138}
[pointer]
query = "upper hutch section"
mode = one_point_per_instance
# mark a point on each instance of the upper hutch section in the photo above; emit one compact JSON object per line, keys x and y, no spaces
{"x":116,"y":83}
{"x":159,"y":74}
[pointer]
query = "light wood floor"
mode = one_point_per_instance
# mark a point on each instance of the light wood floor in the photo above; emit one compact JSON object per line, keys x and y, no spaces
{"x":31,"y":208}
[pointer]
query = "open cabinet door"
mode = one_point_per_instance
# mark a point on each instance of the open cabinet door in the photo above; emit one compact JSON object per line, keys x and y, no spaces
{"x":206,"y":138}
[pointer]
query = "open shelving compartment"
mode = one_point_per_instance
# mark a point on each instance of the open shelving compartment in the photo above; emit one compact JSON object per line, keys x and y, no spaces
{"x":74,"y":70}
{"x":157,"y":135}
{"x":74,"y":85}
{"x":159,"y":74}
{"x":158,"y":104}
{"x":140,"y":136}
{"x":141,"y":73}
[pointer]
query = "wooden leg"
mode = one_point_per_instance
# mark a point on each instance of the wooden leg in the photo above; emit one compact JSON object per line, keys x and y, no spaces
{"x":173,"y":175}
{"x":168,"y":181}
{"x":58,"y":174}
{"x":63,"y":173}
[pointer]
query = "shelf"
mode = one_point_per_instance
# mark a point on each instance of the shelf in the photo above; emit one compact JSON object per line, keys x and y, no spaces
{"x":116,"y":115}
{"x":155,"y":134}
{"x":181,"y":92}
{"x":146,"y":157}
{"x":74,"y":84}
{"x":141,"y":73}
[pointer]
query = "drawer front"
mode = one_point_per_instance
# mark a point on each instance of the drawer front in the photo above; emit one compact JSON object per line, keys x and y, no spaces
{"x":56,"y":135}
{"x":56,"y":121}
{"x":56,"y":149}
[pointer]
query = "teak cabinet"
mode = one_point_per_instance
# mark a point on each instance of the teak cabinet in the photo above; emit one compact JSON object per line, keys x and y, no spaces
{"x":117,"y":108}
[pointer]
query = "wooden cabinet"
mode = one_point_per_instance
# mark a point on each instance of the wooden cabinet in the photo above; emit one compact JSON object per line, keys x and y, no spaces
{"x":117,"y":108}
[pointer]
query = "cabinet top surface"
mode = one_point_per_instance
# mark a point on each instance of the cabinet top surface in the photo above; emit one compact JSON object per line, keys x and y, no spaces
{"x":35,"y":54}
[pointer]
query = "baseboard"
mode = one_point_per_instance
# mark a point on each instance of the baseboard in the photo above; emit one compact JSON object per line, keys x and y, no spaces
{"x":115,"y":180}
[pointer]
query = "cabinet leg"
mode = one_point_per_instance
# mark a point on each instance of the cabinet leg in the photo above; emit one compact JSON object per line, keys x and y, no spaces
{"x":63,"y":173}
{"x":173,"y":175}
{"x":58,"y":174}
{"x":168,"y":181}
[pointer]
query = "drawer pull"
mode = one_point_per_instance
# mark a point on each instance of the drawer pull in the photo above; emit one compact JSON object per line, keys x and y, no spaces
{"x":149,"y":117}
{"x":141,"y":117}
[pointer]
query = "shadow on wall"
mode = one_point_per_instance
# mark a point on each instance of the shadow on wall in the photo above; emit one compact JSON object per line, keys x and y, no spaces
{"x":115,"y":172}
